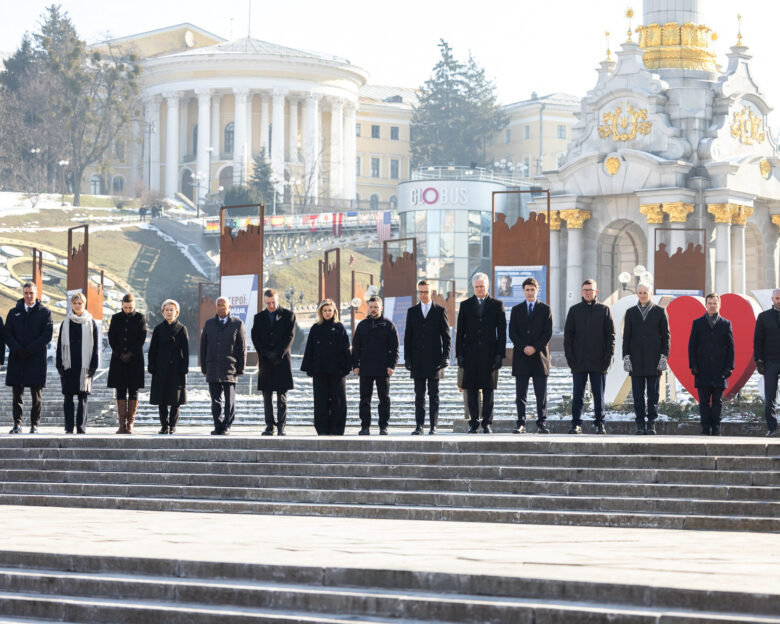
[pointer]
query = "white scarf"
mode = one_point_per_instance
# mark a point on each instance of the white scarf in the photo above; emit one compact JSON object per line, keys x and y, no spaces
{"x":85,"y":320}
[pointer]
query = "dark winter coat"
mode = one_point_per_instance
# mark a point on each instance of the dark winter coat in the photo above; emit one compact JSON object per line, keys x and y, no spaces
{"x":31,"y":332}
{"x":711,"y":352}
{"x":375,"y":347}
{"x":766,"y":338}
{"x":2,"y":341}
{"x":589,"y":338}
{"x":272,"y":343}
{"x":223,"y":349}
{"x":645,"y":340}
{"x":169,"y":363}
{"x":327,"y":350}
{"x":127,"y":334}
{"x":427,"y":341}
{"x":70,"y":379}
{"x":479,"y":341}
{"x":535,"y":332}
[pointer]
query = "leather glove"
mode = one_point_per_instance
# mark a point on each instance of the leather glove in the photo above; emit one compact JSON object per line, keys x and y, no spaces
{"x":126,"y":357}
{"x":461,"y":361}
{"x":761,"y":367}
{"x":22,"y":354}
{"x":728,"y":373}
{"x":91,"y":372}
{"x":443,"y":364}
{"x":61,"y":371}
{"x":407,"y":366}
{"x":662,"y":364}
{"x":498,"y":362}
{"x":627,"y":363}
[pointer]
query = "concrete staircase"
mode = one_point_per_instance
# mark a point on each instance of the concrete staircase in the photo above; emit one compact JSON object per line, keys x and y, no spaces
{"x":687,"y":483}
{"x":73,"y":588}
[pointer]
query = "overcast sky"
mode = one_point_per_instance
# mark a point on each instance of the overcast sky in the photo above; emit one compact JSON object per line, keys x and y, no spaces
{"x":525,"y":46}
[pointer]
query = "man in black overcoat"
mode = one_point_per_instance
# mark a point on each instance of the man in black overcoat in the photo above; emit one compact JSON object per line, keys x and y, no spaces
{"x":426,"y":353}
{"x":530,"y":330}
{"x":646,"y":341}
{"x":480,"y":348}
{"x":711,"y":360}
{"x":766,"y":352}
{"x":589,"y":344}
{"x":374,"y":357}
{"x":28,"y":331}
{"x":273,"y":332}
{"x":222,"y":361}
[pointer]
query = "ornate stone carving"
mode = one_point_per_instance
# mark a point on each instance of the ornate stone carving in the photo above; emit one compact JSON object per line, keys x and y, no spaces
{"x":678,"y":211}
{"x":555,"y":219}
{"x":684,"y":46}
{"x":741,"y":214}
{"x":776,"y":220}
{"x":611,"y":165}
{"x":575,"y":218}
{"x":747,"y":127}
{"x":653,"y":212}
{"x":625,"y":127}
{"x":765,"y":167}
{"x":723,"y":213}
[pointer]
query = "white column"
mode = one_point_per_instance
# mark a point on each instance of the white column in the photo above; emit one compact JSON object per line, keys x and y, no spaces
{"x":573,"y":267}
{"x":554,"y":287}
{"x":172,"y":144}
{"x":350,"y":152}
{"x":277,"y":133}
{"x":204,"y":139}
{"x":135,"y":158}
{"x":292,"y":131}
{"x":722,"y":258}
{"x":264,"y":121}
{"x":311,"y":148}
{"x":152,"y":138}
{"x":216,"y":124}
{"x":184,"y":109}
{"x":240,"y":138}
{"x":335,"y":173}
{"x":738,"y":275}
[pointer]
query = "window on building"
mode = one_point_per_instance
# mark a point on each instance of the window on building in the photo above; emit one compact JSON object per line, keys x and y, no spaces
{"x":229,"y":138}
{"x":394,"y":166}
{"x":195,"y":139}
{"x":357,"y":200}
{"x":373,"y":202}
{"x":560,"y":159}
{"x":357,"y":129}
{"x":119,"y":149}
{"x":526,"y":132}
{"x":95,"y":185}
{"x":561,"y":131}
{"x":118,"y":184}
{"x":393,"y":202}
{"x":357,"y":165}
{"x":507,"y":136}
{"x":374,"y":132}
{"x":374,"y":167}
{"x":394,"y":133}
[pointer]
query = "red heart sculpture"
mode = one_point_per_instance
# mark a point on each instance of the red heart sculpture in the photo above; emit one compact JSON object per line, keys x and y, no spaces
{"x":736,"y":308}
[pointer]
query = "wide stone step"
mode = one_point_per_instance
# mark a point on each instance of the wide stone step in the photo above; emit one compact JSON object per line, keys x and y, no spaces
{"x":77,"y":588}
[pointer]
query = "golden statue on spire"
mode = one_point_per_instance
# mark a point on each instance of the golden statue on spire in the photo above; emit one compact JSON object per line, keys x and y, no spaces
{"x":739,"y":29}
{"x":609,"y":52}
{"x":629,"y":15}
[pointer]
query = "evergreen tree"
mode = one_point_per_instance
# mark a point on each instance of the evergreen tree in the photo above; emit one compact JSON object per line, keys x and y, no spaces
{"x":262,"y":178}
{"x":456,"y":115}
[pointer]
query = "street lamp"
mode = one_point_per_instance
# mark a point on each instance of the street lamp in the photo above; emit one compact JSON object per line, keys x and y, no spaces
{"x":274,"y":180}
{"x":35,"y":151}
{"x":63,"y":164}
{"x":292,"y":183}
{"x":641,"y":274}
{"x":210,"y":150}
{"x":197,"y":177}
{"x":507,"y":167}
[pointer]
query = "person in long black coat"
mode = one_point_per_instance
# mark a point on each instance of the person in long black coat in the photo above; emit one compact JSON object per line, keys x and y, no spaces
{"x":28,"y":331}
{"x":766,"y":352}
{"x":126,"y":336}
{"x":646,"y":341}
{"x":711,"y":360}
{"x":77,"y":361}
{"x":530,"y":330}
{"x":480,"y":348}
{"x":273,"y":331}
{"x":426,"y":354}
{"x":589,"y":344}
{"x":169,"y":364}
{"x":327,"y":360}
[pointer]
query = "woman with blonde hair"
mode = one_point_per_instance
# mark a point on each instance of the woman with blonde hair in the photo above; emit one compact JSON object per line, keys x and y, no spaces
{"x":77,"y":361}
{"x":327,"y":361}
{"x":169,"y":363}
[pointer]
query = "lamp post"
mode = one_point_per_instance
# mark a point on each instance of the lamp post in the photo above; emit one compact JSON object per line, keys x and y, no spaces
{"x":290,"y":296}
{"x":274,"y":180}
{"x":35,"y":151}
{"x":210,"y":150}
{"x":197,"y":178}
{"x":292,"y":183}
{"x":151,"y":128}
{"x":506,"y":167}
{"x":63,"y":164}
{"x":641,"y":274}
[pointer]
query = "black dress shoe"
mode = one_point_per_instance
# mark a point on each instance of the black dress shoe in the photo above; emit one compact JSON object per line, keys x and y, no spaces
{"x":383,"y":431}
{"x":417,"y":431}
{"x":705,"y":432}
{"x":268,"y":431}
{"x":640,"y":431}
{"x":215,"y":432}
{"x":69,"y":431}
{"x":715,"y":431}
{"x":519,"y":429}
{"x":172,"y":430}
{"x":165,"y":430}
{"x":81,"y":430}
{"x":473,"y":428}
{"x":224,"y":432}
{"x":771,"y":433}
{"x":600,"y":429}
{"x":16,"y":429}
{"x":575,"y":429}
{"x":34,"y":429}
{"x":432,"y":431}
{"x":651,"y":429}
{"x":541,"y":428}
{"x":280,"y":431}
{"x":364,"y":431}
{"x":487,"y":429}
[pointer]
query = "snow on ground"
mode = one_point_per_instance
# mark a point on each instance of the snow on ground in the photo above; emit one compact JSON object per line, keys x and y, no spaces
{"x":184,"y":249}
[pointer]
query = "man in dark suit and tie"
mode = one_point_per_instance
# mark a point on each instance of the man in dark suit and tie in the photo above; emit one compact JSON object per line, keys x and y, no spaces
{"x":711,"y":359}
{"x":480,"y":348}
{"x":766,"y":352}
{"x":530,"y":330}
{"x":426,"y":353}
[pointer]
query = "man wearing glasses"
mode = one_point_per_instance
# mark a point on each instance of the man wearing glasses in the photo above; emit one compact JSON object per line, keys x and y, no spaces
{"x":589,"y":344}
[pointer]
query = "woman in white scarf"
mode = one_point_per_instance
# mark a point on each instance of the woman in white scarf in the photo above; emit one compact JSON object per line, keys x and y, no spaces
{"x":77,"y":361}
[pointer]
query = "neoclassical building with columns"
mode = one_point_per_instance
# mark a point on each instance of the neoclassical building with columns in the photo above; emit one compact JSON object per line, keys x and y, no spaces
{"x":671,"y":166}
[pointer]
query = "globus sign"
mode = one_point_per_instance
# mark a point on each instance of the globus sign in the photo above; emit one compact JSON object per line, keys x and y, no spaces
{"x":431,"y":196}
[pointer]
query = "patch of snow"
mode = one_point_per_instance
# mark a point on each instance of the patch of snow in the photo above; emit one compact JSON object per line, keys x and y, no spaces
{"x":184,"y":249}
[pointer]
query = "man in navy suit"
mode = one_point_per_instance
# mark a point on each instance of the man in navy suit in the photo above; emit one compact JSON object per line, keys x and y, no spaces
{"x":426,"y":353}
{"x":766,"y":352}
{"x":711,"y":360}
{"x":530,"y":330}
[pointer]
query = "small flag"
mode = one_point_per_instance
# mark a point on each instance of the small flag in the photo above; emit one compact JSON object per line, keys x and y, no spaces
{"x":338,"y":218}
{"x":383,"y":226}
